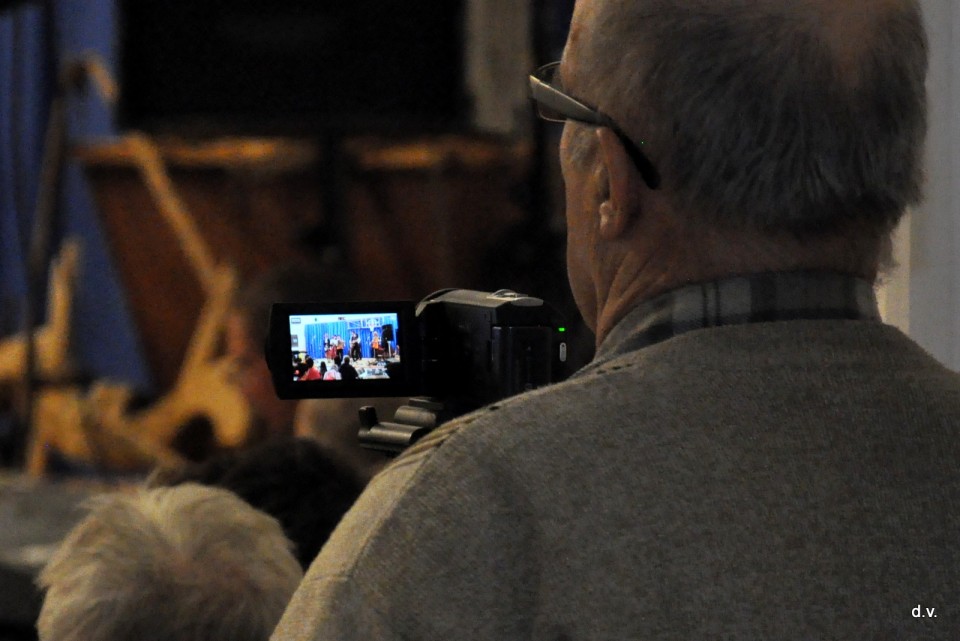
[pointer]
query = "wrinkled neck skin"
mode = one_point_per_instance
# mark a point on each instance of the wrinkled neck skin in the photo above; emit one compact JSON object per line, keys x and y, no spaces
{"x":662,"y":253}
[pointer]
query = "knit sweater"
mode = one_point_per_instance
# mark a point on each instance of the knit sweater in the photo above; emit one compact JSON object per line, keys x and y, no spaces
{"x":789,"y":480}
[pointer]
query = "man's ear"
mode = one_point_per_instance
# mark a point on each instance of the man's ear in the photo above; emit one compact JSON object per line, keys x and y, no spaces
{"x":621,"y":203}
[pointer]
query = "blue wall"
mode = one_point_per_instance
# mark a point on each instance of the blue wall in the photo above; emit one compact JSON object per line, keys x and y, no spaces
{"x":35,"y":40}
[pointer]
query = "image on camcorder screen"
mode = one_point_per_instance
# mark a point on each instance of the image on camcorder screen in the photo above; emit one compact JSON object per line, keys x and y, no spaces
{"x":344,"y":347}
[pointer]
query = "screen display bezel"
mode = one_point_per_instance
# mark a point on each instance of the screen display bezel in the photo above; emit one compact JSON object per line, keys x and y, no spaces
{"x":280,"y":349}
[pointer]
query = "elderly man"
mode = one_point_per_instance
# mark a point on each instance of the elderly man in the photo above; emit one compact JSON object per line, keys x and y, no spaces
{"x":752,"y":454}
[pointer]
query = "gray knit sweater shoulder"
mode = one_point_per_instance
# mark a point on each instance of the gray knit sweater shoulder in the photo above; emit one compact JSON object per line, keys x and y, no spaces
{"x":792,"y":480}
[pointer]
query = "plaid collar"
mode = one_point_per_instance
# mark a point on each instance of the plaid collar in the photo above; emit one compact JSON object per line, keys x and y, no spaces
{"x":756,"y":298}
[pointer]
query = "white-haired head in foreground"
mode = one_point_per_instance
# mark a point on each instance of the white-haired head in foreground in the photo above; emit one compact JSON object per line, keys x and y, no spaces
{"x":179,"y":564}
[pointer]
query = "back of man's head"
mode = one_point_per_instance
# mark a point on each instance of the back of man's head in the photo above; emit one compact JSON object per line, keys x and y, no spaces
{"x":188,"y":563}
{"x":799,"y":116}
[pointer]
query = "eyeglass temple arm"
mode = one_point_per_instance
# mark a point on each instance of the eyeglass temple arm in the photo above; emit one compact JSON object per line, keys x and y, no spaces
{"x":564,"y":104}
{"x":571,"y":108}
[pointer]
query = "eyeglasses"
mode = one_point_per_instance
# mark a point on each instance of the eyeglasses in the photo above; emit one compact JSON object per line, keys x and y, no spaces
{"x":555,"y":105}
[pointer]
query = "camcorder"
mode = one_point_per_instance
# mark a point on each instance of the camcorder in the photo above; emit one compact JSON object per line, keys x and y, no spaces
{"x":453,"y":352}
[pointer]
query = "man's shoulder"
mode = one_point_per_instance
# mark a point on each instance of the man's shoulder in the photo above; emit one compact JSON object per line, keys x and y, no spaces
{"x":688,"y":367}
{"x":522,"y":412}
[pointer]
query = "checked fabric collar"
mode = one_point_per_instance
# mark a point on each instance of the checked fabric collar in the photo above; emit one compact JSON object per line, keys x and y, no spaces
{"x":755,"y":298}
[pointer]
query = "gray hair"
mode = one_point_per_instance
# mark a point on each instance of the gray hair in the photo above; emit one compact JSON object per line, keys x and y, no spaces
{"x":188,"y":563}
{"x":764,"y":115}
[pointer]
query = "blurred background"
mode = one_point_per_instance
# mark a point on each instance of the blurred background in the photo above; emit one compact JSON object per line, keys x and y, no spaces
{"x":162,"y":160}
{"x":168,"y":168}
{"x":389,"y":142}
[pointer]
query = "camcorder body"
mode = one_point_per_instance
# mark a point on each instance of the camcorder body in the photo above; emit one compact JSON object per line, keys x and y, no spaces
{"x":453,"y":352}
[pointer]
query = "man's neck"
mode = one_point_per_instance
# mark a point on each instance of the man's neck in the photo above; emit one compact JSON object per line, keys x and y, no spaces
{"x":666,"y":250}
{"x":766,"y":297}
